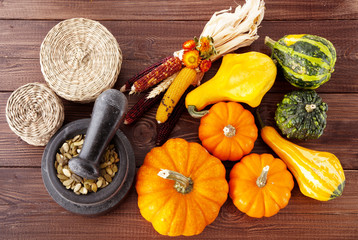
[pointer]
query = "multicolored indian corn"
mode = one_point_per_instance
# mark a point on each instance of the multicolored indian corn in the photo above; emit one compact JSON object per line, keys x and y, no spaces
{"x":143,"y":105}
{"x":163,"y":71}
{"x":129,"y":83}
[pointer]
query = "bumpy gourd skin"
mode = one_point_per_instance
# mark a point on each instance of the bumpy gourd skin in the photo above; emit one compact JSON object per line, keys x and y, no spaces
{"x":307,"y":61}
{"x":302,"y":115}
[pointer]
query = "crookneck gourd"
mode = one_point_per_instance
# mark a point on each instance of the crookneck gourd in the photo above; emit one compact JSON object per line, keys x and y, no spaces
{"x":301,"y":115}
{"x":307,"y":61}
{"x":318,"y":174}
{"x":181,"y":188}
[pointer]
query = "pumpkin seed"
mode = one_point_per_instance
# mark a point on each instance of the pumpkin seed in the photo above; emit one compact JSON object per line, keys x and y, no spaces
{"x":59,"y":169}
{"x":99,"y":183}
{"x":83,"y":190}
{"x":77,"y":138}
{"x":65,"y":147}
{"x":62,"y":177}
{"x":107,"y":177}
{"x":103,"y":165}
{"x":94,"y":187}
{"x":68,"y":182}
{"x":109,"y":171}
{"x":66,"y":172}
{"x":114,"y":168}
{"x":77,"y":187}
{"x":77,"y":184}
{"x":68,"y":156}
{"x":76,"y":178}
{"x":79,"y":143}
{"x":58,"y":157}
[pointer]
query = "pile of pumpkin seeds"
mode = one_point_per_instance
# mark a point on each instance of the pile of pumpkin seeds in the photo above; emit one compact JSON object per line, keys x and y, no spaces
{"x":71,"y":148}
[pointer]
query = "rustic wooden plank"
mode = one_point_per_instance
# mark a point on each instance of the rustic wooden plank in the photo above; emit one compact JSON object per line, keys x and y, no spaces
{"x":144,"y":43}
{"x":27,"y":211}
{"x":171,"y":10}
{"x":340,"y":136}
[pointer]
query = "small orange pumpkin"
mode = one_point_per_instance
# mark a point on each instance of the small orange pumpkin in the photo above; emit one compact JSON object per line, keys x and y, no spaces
{"x":228,"y":131}
{"x":260,"y":185}
{"x":181,"y":188}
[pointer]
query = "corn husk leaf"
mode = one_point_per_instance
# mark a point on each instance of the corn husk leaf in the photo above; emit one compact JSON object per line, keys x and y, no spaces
{"x":232,"y":30}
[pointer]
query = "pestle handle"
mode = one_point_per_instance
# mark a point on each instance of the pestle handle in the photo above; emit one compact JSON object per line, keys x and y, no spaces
{"x":107,"y":115}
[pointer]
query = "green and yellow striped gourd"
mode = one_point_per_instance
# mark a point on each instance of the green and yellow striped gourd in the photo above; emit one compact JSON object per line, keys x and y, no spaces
{"x":307,"y":61}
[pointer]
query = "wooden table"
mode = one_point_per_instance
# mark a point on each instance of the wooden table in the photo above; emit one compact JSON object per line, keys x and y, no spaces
{"x":147,"y":31}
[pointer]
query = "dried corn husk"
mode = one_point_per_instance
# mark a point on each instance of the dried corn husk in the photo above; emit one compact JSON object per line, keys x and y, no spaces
{"x":232,"y":30}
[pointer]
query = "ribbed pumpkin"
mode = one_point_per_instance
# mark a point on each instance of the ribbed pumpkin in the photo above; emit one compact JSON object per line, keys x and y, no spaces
{"x":260,"y":185}
{"x":307,"y":61}
{"x":301,"y":115}
{"x":181,"y":188}
{"x":228,"y":131}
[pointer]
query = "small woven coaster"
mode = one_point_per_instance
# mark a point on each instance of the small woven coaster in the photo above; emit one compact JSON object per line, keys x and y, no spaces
{"x":80,"y":59}
{"x":34,"y":113}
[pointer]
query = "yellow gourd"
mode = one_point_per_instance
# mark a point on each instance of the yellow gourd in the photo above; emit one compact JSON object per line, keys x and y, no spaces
{"x":318,"y":174}
{"x":241,"y":78}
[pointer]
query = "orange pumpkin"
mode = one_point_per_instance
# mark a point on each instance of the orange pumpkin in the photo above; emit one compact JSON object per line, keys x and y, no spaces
{"x":181,"y":188}
{"x":228,"y":131}
{"x":260,"y":185}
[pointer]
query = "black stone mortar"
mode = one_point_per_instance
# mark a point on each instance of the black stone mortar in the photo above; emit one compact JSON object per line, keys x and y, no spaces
{"x":100,"y":130}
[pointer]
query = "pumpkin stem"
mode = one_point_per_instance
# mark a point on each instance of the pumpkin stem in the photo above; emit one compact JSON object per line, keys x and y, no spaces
{"x":196,"y":114}
{"x":262,"y":179}
{"x":310,"y":107}
{"x":182,"y":184}
{"x":229,"y":131}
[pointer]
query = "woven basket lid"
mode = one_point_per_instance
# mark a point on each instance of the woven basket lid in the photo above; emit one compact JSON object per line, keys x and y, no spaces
{"x":80,"y":59}
{"x":34,"y":113}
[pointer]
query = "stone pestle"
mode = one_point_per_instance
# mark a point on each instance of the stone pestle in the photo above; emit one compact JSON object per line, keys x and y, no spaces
{"x":107,"y":115}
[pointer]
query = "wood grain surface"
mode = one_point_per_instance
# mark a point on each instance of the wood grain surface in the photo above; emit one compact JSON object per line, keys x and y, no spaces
{"x":147,"y":31}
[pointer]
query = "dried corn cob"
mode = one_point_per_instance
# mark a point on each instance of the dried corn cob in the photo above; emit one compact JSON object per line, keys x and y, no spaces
{"x":164,"y":129}
{"x":162,"y":86}
{"x":185,"y":77}
{"x":129,"y":83}
{"x":166,"y":69}
{"x":140,"y":107}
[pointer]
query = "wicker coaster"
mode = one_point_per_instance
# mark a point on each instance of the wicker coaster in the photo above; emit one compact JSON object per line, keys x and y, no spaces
{"x":80,"y":59}
{"x":34,"y":113}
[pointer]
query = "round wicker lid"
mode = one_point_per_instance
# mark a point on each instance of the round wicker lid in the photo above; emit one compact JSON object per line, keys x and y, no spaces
{"x":80,"y":59}
{"x":34,"y":113}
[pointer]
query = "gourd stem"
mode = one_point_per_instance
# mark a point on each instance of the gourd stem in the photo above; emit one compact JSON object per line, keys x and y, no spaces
{"x":262,"y":179}
{"x":262,"y":124}
{"x":182,"y":183}
{"x":196,"y":114}
{"x":310,"y":107}
{"x":269,"y":42}
{"x":229,"y":131}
